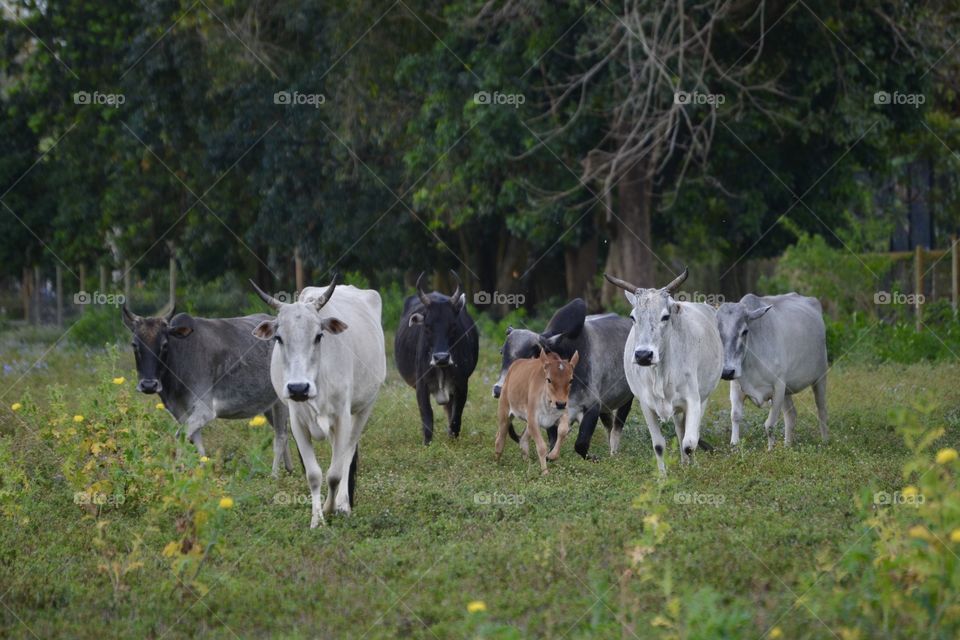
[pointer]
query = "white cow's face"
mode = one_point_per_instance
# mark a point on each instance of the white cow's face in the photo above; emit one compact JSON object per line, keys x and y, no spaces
{"x":652,"y":311}
{"x":733,"y":322}
{"x":298,"y":331}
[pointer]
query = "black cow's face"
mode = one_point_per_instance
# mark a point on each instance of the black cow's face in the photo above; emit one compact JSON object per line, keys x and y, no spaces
{"x":151,"y":344}
{"x":440,"y":323}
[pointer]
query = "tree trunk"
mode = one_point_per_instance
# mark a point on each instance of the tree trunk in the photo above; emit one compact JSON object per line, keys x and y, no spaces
{"x":83,"y":282}
{"x":510,"y":267}
{"x":37,"y":311}
{"x":173,"y":274}
{"x":103,"y":278}
{"x":26,"y":293}
{"x":59,"y":296}
{"x":298,"y":269}
{"x":580,"y":266}
{"x":126,"y":279}
{"x":630,"y":256}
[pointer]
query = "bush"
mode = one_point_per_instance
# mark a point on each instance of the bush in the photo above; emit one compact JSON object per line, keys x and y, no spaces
{"x":97,"y":326}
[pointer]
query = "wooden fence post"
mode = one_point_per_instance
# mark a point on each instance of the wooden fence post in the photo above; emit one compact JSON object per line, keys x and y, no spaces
{"x":26,"y":292}
{"x":918,"y":285}
{"x":59,"y":295}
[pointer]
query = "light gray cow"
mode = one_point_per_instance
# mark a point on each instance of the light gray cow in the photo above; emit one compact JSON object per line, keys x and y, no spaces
{"x":328,"y":365}
{"x":672,"y":360}
{"x":774,"y":347}
{"x":207,"y":368}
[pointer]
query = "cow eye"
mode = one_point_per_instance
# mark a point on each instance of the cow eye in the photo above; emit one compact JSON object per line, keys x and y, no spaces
{"x":316,"y":340}
{"x":548,"y":381}
{"x":632,"y":318}
{"x":744,"y":332}
{"x":278,"y":339}
{"x":665,"y":317}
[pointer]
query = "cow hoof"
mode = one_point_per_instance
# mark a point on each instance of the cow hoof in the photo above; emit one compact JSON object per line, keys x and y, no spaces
{"x":591,"y":458}
{"x":453,"y":434}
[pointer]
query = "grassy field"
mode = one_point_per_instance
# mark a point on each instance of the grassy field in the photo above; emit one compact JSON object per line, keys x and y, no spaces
{"x":606,"y":549}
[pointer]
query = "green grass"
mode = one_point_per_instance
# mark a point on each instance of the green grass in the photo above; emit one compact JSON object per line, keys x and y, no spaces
{"x":549,"y":560}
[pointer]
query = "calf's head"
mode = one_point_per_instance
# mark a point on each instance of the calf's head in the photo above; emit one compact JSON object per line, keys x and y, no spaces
{"x":653,"y":309}
{"x":151,"y":343}
{"x":440,"y":322}
{"x":298,"y":332}
{"x":559,"y":376}
{"x":733,"y":321}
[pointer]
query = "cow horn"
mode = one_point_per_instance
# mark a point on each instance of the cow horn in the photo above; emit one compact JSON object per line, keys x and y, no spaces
{"x":129,"y":315}
{"x":325,"y":297}
{"x":168,"y":310}
{"x":673,"y":286}
{"x":456,"y":293}
{"x":266,"y":297}
{"x":423,"y":297}
{"x":623,"y":284}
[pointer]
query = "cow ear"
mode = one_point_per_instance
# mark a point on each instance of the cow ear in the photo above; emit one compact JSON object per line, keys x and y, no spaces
{"x":631,"y":297}
{"x":458,"y":302}
{"x":415,"y":318}
{"x":509,"y":329}
{"x":575,"y":359}
{"x":180,"y":332}
{"x":266,"y":330}
{"x":333,"y":325}
{"x":757,"y":313}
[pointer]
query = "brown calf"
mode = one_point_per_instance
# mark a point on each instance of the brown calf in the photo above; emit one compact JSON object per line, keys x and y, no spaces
{"x":536,"y":390}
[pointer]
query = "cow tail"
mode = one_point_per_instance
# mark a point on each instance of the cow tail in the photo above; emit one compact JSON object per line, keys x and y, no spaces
{"x":352,"y":476}
{"x":513,"y":434}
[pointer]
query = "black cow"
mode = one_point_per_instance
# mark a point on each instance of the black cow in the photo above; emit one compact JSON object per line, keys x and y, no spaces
{"x":208,"y":368}
{"x":600,"y":390}
{"x":436,"y":350}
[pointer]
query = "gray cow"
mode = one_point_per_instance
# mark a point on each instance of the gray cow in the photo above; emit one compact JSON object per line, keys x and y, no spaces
{"x":206,"y":368}
{"x":774,"y":347}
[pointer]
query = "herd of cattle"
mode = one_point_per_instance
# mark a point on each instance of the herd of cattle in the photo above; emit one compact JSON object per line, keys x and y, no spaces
{"x":320,"y":362}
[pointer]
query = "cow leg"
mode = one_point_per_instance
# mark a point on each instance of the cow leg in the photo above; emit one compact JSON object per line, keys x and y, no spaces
{"x":587,"y":425}
{"x":195,"y":422}
{"x":789,"y":419}
{"x":736,"y":411}
{"x":426,"y":410}
{"x":820,"y":395}
{"x":454,"y":409}
{"x":606,"y":419}
{"x":564,"y":429}
{"x":281,"y":452}
{"x":552,"y":436}
{"x":534,"y":426}
{"x":619,"y":419}
{"x":344,"y":447}
{"x":503,"y":426}
{"x":776,"y":405}
{"x":691,"y":426}
{"x":653,"y":426}
{"x":314,"y":473}
{"x":525,"y":443}
{"x":678,"y":426}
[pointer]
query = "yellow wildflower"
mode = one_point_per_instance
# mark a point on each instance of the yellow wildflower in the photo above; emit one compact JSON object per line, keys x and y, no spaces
{"x":258,"y":421}
{"x":204,"y":459}
{"x":226,"y":502}
{"x":16,"y":406}
{"x":78,"y":418}
{"x":160,"y":406}
{"x":119,"y":380}
{"x":909,"y":491}
{"x":945,"y":456}
{"x":955,"y":535}
{"x":476,"y":606}
{"x":171,"y":549}
{"x":775,"y":633}
{"x":919,"y":532}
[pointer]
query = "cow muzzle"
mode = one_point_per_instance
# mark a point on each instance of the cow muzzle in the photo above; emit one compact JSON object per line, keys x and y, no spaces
{"x":441,"y":359}
{"x":728,"y":373}
{"x":149,"y":386}
{"x":561,"y":405}
{"x":298,"y":391}
{"x":643,"y":357}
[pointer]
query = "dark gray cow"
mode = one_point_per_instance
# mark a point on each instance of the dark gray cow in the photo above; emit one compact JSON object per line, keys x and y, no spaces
{"x":774,"y":347}
{"x":206,"y":368}
{"x":600,"y":390}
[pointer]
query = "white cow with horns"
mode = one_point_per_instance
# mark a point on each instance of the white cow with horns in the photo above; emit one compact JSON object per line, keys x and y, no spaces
{"x":672,"y":360}
{"x":328,"y":365}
